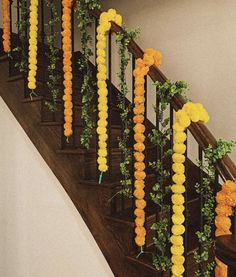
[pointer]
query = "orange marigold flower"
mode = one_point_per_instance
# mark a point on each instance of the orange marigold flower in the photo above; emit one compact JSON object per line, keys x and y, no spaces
{"x":139,"y":157}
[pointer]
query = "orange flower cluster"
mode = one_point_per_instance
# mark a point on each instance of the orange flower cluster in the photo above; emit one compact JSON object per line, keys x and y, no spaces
{"x":151,"y":57}
{"x":226,"y":200}
{"x":6,"y":26}
{"x":67,"y":66}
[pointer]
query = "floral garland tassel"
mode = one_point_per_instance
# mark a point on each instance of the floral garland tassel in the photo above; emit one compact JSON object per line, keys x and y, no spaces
{"x":151,"y":57}
{"x":226,"y":200}
{"x":33,"y":33}
{"x":191,"y":112}
{"x":6,"y":26}
{"x":102,"y":30}
{"x":67,"y":67}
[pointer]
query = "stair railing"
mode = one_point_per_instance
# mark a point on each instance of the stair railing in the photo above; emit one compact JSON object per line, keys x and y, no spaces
{"x":225,"y":167}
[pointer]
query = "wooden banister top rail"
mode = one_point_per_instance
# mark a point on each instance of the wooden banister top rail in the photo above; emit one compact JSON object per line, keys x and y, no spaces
{"x":203,"y":136}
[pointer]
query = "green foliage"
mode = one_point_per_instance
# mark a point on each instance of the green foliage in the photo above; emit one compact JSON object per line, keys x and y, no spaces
{"x":88,"y":83}
{"x":22,"y":26}
{"x":122,"y":40}
{"x":160,"y":191}
{"x":211,"y":157}
{"x":53,"y":76}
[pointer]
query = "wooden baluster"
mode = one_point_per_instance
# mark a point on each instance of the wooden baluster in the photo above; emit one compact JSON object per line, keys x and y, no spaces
{"x":185,"y":211}
{"x":26,"y":51}
{"x":200,"y":158}
{"x":11,"y":38}
{"x":96,"y":100}
{"x":109,"y":105}
{"x":73,"y":142}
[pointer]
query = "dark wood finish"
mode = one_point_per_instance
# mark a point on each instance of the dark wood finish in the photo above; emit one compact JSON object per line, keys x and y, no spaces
{"x":226,"y":250}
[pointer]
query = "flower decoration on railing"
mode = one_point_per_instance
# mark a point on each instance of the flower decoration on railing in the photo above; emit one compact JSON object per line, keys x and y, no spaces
{"x":67,"y":66}
{"x":6,"y":26}
{"x":191,"y":112}
{"x":151,"y":57}
{"x":226,"y":201}
{"x":33,"y":40}
{"x":102,"y":30}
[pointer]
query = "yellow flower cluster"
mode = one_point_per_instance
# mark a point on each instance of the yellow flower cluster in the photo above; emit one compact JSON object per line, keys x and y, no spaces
{"x":151,"y":57}
{"x":226,"y":200}
{"x":33,"y":38}
{"x":6,"y":26}
{"x":67,"y":67}
{"x":102,"y":30}
{"x":191,"y":112}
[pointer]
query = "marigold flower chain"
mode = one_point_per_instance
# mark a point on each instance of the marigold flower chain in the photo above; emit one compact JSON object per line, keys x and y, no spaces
{"x":191,"y":112}
{"x":33,"y":39}
{"x":67,"y":66}
{"x":102,"y":30}
{"x":151,"y":57}
{"x":6,"y":26}
{"x":226,"y":200}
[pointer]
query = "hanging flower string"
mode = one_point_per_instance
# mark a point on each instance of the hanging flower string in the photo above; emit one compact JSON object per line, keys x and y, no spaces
{"x":102,"y":30}
{"x":191,"y":112}
{"x":67,"y":67}
{"x":151,"y":57}
{"x":226,"y":200}
{"x":6,"y":26}
{"x":33,"y":37}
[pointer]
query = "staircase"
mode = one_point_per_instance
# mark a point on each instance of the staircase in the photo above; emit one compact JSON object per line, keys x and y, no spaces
{"x":108,"y":215}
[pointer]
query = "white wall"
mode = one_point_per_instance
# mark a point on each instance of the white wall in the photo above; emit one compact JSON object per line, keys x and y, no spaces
{"x":41,"y":233}
{"x":198,"y":41}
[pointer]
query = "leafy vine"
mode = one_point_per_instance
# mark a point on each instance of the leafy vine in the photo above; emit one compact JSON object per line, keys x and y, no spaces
{"x":211,"y":157}
{"x":53,"y":76}
{"x":22,"y":25}
{"x":88,"y":82}
{"x":122,"y":40}
{"x":160,"y":190}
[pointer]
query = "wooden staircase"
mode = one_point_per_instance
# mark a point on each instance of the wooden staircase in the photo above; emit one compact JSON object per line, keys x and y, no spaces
{"x":108,"y":215}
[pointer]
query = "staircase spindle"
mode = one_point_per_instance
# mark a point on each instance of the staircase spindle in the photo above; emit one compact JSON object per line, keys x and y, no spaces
{"x":200,"y":158}
{"x":132,"y":126}
{"x":109,"y":104}
{"x":11,"y":35}
{"x":96,"y":97}
{"x":185,"y":211}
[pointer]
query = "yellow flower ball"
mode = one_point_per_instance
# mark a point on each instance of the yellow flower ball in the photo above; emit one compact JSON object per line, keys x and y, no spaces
{"x":177,"y":259}
{"x":176,"y":240}
{"x":178,"y":168}
{"x":177,"y":199}
{"x":179,"y":148}
{"x":177,"y":249}
{"x":178,"y":230}
{"x":177,"y":270}
{"x":178,"y":189}
{"x":179,"y":179}
{"x":178,"y":219}
{"x":178,"y":209}
{"x":178,"y":158}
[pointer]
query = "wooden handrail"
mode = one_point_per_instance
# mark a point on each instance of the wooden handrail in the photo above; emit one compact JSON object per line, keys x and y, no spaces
{"x":203,"y":136}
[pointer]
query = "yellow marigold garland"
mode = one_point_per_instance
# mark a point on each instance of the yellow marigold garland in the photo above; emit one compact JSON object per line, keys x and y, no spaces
{"x":6,"y":26}
{"x":67,"y":66}
{"x":33,"y":39}
{"x":102,"y":30}
{"x":191,"y":112}
{"x":151,"y":57}
{"x":226,"y":200}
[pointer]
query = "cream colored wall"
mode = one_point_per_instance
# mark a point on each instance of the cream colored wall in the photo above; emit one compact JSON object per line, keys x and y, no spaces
{"x":41,"y":234}
{"x":198,"y":42}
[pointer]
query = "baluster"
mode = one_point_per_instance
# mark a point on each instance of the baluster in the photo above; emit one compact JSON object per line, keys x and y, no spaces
{"x":171,"y":114}
{"x":185,"y":211}
{"x":26,"y":51}
{"x":73,"y":72}
{"x":11,"y":37}
{"x":18,"y":19}
{"x":96,"y":100}
{"x":145,"y":151}
{"x":109,"y":105}
{"x":200,"y":158}
{"x":234,"y":222}
{"x":132,"y":126}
